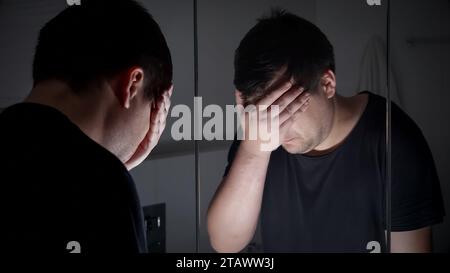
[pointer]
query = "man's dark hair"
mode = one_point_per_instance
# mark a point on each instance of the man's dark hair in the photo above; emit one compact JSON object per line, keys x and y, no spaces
{"x":91,"y":42}
{"x":280,"y":47}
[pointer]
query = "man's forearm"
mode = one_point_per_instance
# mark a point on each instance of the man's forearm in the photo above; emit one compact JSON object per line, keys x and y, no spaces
{"x":234,"y":211}
{"x":414,"y":241}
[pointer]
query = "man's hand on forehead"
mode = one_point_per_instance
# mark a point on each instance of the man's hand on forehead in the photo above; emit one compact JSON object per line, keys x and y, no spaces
{"x":289,"y":99}
{"x":157,"y":120}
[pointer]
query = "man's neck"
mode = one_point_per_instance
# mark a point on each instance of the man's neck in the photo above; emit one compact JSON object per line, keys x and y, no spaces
{"x":348,"y":111}
{"x":82,"y":110}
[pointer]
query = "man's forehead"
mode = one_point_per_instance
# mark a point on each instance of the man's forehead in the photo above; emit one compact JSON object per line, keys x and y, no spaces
{"x":280,"y":78}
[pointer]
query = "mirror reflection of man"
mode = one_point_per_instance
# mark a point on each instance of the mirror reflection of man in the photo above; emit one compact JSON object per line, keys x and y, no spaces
{"x":102,"y":85}
{"x":321,"y":188}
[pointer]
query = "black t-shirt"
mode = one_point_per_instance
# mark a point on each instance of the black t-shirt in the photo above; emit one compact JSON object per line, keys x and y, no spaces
{"x":336,"y":202}
{"x":59,"y":186}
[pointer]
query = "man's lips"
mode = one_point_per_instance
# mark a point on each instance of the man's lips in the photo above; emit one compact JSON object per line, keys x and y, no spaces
{"x":289,"y":140}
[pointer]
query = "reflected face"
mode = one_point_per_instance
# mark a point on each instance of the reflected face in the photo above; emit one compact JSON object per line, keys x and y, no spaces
{"x":312,"y":127}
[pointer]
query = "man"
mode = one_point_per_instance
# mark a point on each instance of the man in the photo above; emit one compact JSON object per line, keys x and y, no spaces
{"x":102,"y":84}
{"x":321,"y":188}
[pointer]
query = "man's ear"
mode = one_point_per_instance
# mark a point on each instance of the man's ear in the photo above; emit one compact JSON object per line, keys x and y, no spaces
{"x":328,"y":83}
{"x":128,"y":85}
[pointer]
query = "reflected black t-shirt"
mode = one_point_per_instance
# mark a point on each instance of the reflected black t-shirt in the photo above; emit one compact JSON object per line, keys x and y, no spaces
{"x":59,"y":186}
{"x":335,"y":202}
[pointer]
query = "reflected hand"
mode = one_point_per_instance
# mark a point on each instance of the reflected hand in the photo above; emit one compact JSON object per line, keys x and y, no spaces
{"x":290,"y":100}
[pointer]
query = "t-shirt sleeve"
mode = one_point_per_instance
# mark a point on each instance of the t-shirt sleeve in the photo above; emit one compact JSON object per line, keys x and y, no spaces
{"x":231,"y":155}
{"x":416,"y":199}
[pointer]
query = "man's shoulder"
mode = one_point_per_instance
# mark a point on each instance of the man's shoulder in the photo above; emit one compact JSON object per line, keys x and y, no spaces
{"x":42,"y":136}
{"x":91,"y":159}
{"x":400,"y":122}
{"x":405,"y":132}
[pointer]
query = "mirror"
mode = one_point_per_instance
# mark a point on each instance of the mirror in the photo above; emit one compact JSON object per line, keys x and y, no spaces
{"x":419,"y":46}
{"x":332,"y":202}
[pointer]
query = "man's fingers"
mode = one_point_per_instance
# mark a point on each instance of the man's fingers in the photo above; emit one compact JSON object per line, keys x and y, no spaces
{"x":305,"y":106}
{"x":158,"y":113}
{"x":273,"y":96}
{"x":164,"y":109}
{"x":301,"y":103}
{"x":154,"y":129}
{"x":167,"y":102}
{"x":158,"y":117}
{"x":162,"y":116}
{"x":289,"y":98}
{"x":154,"y":118}
{"x":159,"y":120}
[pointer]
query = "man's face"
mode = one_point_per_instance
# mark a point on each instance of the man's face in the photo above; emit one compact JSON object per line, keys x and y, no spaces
{"x":132,"y":125}
{"x":312,"y":127}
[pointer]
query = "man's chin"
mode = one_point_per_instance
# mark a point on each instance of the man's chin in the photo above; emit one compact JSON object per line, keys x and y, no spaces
{"x":295,"y":148}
